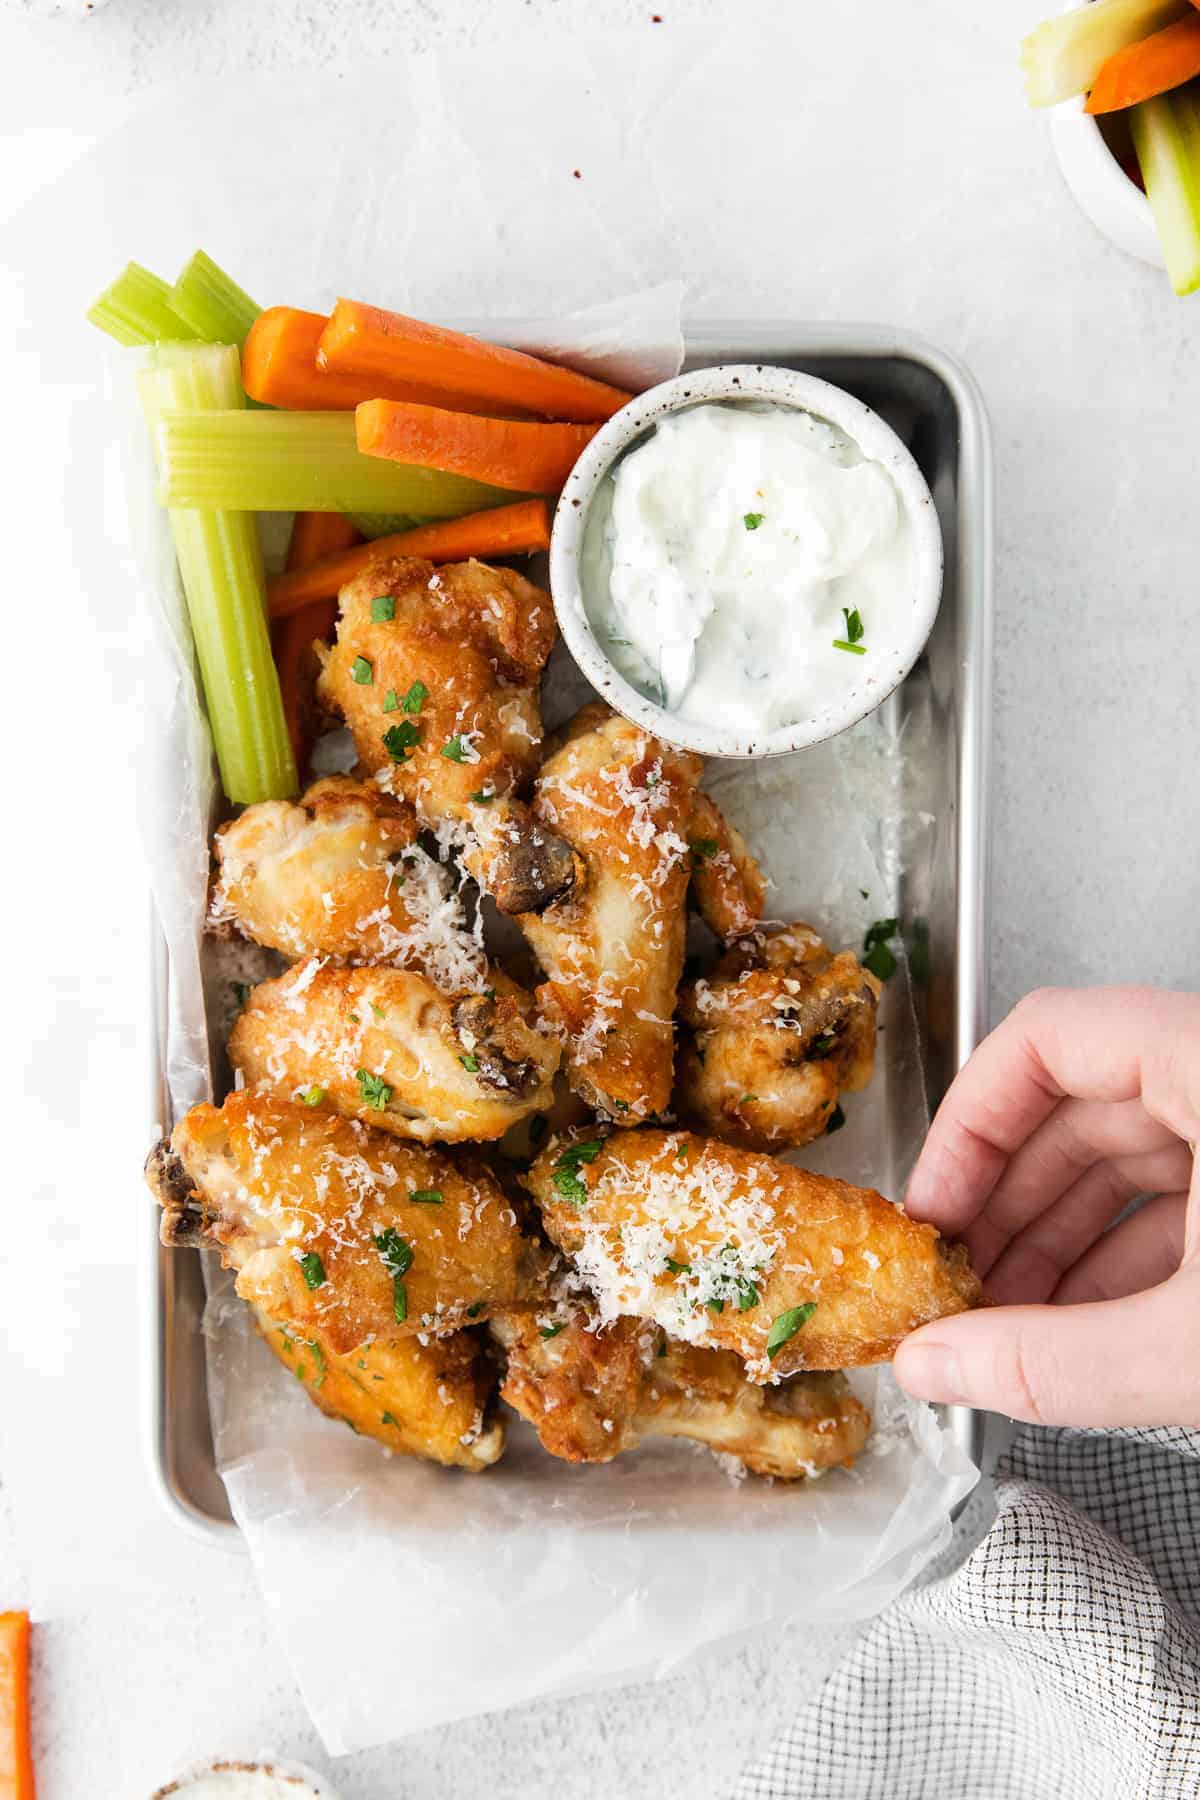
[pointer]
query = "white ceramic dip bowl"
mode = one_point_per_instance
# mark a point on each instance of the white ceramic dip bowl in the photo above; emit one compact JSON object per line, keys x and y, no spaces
{"x":877,"y":442}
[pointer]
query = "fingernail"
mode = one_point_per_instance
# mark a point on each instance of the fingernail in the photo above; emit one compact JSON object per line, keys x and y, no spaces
{"x":930,"y":1372}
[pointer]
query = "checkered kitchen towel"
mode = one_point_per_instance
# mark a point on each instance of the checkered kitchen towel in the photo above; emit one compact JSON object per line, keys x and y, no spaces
{"x":1062,"y":1659}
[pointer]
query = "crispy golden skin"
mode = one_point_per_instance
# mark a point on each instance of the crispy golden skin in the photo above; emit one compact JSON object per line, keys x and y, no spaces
{"x":431,"y":1400}
{"x":460,"y":745}
{"x":297,"y":1200}
{"x":728,"y":887}
{"x":726,"y":1249}
{"x":593,"y":1392}
{"x":778,"y":1030}
{"x":612,"y":947}
{"x":388,"y":1047}
{"x":339,"y":873}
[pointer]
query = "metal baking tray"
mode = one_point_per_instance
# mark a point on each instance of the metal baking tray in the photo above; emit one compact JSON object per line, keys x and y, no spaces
{"x":944,"y":707}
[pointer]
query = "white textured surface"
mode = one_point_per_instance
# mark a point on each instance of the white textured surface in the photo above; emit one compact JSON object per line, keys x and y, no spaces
{"x":911,"y":185}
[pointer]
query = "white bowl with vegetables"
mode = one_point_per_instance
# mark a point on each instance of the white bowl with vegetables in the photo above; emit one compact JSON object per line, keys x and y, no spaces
{"x":746,"y":560}
{"x":1123,"y":79}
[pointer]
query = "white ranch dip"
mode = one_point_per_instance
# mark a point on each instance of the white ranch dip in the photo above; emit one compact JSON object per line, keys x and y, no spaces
{"x":722,"y":557}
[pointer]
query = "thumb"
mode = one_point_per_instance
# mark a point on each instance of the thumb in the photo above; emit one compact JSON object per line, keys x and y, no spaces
{"x":1134,"y":1361}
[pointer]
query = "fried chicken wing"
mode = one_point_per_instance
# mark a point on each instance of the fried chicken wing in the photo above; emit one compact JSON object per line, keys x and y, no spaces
{"x":339,"y":1230}
{"x":778,"y":1030}
{"x":339,"y":873}
{"x":436,"y":673}
{"x":612,"y":947}
{"x":594,"y":1391}
{"x":730,"y":1250}
{"x":431,"y":1399}
{"x":728,"y":886}
{"x":388,"y":1047}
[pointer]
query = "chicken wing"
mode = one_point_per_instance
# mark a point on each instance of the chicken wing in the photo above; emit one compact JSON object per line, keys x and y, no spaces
{"x":388,"y":1047}
{"x":728,"y":887}
{"x":612,"y":947}
{"x":339,"y":1230}
{"x":777,"y":1031}
{"x":435,"y":671}
{"x":594,"y":1391}
{"x":735,"y":1251}
{"x":339,"y":873}
{"x":431,"y":1400}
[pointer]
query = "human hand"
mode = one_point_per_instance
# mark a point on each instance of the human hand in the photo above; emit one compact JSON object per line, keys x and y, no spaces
{"x":1076,"y":1103}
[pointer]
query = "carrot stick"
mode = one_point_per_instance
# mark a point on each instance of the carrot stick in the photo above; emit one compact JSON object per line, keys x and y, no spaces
{"x":279,"y":368}
{"x":16,"y":1756}
{"x":279,"y":365}
{"x":396,"y":354}
{"x":1156,"y":64}
{"x":504,"y":531}
{"x":508,"y":453}
{"x":315,"y":536}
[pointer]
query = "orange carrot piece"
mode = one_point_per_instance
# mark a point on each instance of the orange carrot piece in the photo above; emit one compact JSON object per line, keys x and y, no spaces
{"x":16,"y":1755}
{"x":315,"y":537}
{"x":516,"y":530}
{"x":279,"y":365}
{"x":1164,"y":60}
{"x":396,"y":354}
{"x":508,"y":453}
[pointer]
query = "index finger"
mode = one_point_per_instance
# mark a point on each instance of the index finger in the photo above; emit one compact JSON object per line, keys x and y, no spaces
{"x":1095,"y":1044}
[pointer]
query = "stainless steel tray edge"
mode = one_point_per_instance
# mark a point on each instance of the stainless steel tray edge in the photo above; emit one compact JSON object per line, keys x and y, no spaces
{"x":727,"y":340}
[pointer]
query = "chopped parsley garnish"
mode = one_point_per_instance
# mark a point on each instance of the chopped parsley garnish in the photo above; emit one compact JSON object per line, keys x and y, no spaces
{"x":715,"y":1306}
{"x":854,"y":624}
{"x":786,"y":1324}
{"x":374,"y":1089}
{"x":455,"y":750}
{"x":837,"y":1119}
{"x":354,"y":1019}
{"x":377,"y":1010}
{"x":319,"y":1360}
{"x":823,"y":1045}
{"x":391,"y":701}
{"x":703,"y":849}
{"x":383,"y":608}
{"x":747,"y":1296}
{"x":241,"y":992}
{"x":653,"y":778}
{"x":682,"y":1151}
{"x":549,"y":1331}
{"x":312,"y":1269}
{"x":470,"y":1064}
{"x":415,"y":698}
{"x":399,"y":1301}
{"x":387,"y":1419}
{"x":313,"y":1096}
{"x":621,"y":1105}
{"x":877,"y":956}
{"x":398,"y":740}
{"x":473,"y":1312}
{"x":362,"y":672}
{"x":854,"y":649}
{"x":752,"y":521}
{"x":396,"y":1253}
{"x":483,"y":796}
{"x":746,"y":1099}
{"x":678,"y":1268}
{"x":568,"y":1184}
{"x":565,"y":1173}
{"x":426,"y":1196}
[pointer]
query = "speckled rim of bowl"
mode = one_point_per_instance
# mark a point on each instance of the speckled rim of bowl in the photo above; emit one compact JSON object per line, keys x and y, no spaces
{"x":308,"y":1784}
{"x":741,"y":381}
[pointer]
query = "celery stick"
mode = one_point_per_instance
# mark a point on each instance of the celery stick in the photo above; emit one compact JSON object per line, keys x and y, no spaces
{"x":136,"y":309}
{"x":217,"y":309}
{"x":1064,"y":55}
{"x":220,"y":565}
{"x":300,"y":462}
{"x":377,"y":525}
{"x":1166,"y":136}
